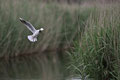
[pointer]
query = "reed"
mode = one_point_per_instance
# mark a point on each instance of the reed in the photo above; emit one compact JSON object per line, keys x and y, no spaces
{"x":96,"y":54}
{"x":61,"y":22}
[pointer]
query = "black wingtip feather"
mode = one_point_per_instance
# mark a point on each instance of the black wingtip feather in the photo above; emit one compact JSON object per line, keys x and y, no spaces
{"x":22,"y":20}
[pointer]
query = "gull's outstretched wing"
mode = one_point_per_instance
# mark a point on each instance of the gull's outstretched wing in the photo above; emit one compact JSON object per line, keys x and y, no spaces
{"x":28,"y":25}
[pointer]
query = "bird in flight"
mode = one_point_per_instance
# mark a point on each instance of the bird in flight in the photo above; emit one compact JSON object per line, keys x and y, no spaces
{"x":33,"y":37}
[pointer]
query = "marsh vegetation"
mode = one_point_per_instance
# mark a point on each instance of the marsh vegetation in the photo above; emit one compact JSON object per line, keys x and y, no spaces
{"x":79,"y":40}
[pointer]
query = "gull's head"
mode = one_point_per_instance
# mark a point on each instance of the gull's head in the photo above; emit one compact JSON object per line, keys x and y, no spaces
{"x":41,"y":29}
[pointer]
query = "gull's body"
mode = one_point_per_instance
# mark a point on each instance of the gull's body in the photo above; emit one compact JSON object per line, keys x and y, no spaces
{"x":33,"y":37}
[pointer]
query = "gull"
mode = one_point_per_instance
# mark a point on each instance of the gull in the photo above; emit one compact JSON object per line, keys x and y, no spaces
{"x":33,"y":37}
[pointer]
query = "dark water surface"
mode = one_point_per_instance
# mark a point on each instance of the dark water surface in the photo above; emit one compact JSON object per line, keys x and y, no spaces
{"x":31,"y":67}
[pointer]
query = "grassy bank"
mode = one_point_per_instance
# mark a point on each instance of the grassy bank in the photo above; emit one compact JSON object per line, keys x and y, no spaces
{"x":97,"y":54}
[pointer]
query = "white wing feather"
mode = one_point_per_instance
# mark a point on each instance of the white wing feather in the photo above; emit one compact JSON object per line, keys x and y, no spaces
{"x":28,"y":25}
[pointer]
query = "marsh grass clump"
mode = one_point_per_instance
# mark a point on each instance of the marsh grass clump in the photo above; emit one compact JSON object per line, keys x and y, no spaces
{"x":97,"y":52}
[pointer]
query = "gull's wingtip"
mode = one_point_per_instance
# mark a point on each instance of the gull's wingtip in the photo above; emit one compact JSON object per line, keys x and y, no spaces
{"x":21,"y":18}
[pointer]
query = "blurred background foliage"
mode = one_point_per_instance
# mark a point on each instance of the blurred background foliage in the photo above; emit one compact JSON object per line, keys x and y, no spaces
{"x":81,"y":38}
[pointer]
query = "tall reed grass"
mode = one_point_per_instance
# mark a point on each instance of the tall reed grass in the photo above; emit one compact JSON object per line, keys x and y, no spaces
{"x":61,"y":23}
{"x":97,"y":54}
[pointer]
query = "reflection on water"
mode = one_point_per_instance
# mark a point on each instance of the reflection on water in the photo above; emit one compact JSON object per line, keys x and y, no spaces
{"x":38,"y":66}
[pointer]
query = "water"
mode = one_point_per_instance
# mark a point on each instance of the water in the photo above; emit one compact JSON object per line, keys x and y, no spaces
{"x":31,"y":67}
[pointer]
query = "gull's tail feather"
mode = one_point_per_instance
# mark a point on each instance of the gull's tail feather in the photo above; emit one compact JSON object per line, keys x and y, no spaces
{"x":32,"y":39}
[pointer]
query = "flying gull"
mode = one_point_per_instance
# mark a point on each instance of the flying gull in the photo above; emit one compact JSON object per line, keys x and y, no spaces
{"x":33,"y":37}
